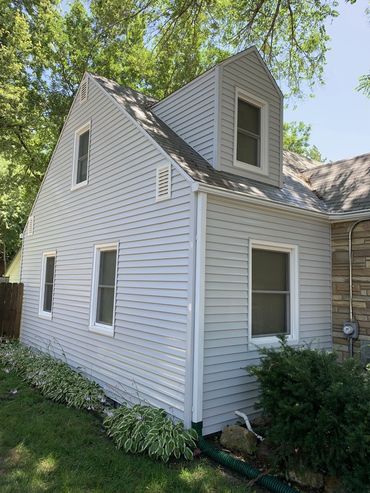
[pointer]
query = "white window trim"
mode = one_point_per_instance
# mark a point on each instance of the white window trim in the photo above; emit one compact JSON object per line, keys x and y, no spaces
{"x":293,"y":337}
{"x":263,"y":169}
{"x":42,"y":313}
{"x":79,"y":132}
{"x":103,"y":329}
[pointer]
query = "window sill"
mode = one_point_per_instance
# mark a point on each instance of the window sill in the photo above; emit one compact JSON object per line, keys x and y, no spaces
{"x":46,"y":315}
{"x":258,"y":342}
{"x":77,"y":186}
{"x":260,"y":170}
{"x":104,"y":330}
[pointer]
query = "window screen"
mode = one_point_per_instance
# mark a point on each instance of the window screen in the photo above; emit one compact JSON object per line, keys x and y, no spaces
{"x":248,"y":133}
{"x":106,"y":287}
{"x":48,"y":284}
{"x":83,"y":154}
{"x":270,"y":293}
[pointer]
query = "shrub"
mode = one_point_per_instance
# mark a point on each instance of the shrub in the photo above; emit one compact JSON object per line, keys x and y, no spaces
{"x":54,"y":378}
{"x":140,"y":429}
{"x":319,"y":411}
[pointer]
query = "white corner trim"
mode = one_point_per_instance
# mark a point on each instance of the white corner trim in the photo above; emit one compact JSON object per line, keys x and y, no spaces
{"x":86,"y":127}
{"x":293,"y":337}
{"x":263,"y":169}
{"x":199,"y":301}
{"x":216,"y":157}
{"x":42,"y":313}
{"x":94,"y":326}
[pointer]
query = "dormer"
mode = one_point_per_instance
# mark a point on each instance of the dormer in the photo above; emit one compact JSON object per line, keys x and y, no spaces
{"x":232,"y":116}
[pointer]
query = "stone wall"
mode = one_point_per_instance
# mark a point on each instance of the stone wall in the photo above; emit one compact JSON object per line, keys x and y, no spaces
{"x":361,"y":283}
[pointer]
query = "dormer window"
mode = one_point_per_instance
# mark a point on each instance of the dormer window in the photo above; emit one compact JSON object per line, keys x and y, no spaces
{"x":250,"y":133}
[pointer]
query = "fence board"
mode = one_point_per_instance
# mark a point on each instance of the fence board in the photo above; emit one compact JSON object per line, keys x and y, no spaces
{"x":11,"y":297}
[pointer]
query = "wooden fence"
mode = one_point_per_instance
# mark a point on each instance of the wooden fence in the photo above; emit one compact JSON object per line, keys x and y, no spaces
{"x":11,"y":296}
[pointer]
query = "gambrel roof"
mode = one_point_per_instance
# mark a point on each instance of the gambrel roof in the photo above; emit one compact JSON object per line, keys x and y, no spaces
{"x":308,"y":184}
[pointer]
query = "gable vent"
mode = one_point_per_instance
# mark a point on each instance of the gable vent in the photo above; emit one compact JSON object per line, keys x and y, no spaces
{"x":84,"y":90}
{"x":30,"y":224}
{"x":163,"y":185}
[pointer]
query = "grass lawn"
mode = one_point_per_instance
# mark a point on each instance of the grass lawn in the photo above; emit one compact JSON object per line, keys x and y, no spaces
{"x":47,"y":447}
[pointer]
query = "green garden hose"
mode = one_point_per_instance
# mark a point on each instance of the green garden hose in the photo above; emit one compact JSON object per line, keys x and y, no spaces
{"x":269,"y":482}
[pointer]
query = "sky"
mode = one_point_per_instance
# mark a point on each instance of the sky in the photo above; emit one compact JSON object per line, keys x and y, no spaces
{"x":339,"y":115}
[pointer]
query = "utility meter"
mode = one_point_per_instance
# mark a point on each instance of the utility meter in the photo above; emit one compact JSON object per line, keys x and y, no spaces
{"x":350,"y":330}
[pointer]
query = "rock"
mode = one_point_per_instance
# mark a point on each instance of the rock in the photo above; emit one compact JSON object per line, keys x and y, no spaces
{"x":238,"y":439}
{"x":307,"y":478}
{"x":333,"y":485}
{"x":261,"y":422}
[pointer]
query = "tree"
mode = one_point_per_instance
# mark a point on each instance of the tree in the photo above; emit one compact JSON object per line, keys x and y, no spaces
{"x":364,"y":81}
{"x":297,"y":137}
{"x":155,"y":46}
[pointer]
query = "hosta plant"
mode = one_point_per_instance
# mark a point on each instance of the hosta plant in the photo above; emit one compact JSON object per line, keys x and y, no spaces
{"x":54,"y":378}
{"x":143,"y":429}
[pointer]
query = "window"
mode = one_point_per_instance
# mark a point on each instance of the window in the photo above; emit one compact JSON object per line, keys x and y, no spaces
{"x":273,"y":292}
{"x":250,"y":133}
{"x":47,"y":284}
{"x":104,"y":289}
{"x":81,"y":157}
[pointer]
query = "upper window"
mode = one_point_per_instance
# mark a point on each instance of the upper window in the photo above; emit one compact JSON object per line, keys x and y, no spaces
{"x":81,"y":156}
{"x":251,"y":133}
{"x":47,"y":284}
{"x":273,"y":292}
{"x":104,"y":289}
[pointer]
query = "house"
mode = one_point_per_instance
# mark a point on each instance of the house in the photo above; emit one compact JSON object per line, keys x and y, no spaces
{"x":171,"y":239}
{"x":13,"y":270}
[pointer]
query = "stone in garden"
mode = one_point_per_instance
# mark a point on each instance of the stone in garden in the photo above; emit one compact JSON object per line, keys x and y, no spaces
{"x":307,"y":478}
{"x":239,"y":439}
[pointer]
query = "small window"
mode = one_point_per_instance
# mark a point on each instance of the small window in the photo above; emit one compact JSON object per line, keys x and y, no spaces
{"x":273,"y":296}
{"x":81,"y":158}
{"x":104,"y":289}
{"x":251,"y":141}
{"x":249,"y":133}
{"x":30,"y":225}
{"x":47,"y":284}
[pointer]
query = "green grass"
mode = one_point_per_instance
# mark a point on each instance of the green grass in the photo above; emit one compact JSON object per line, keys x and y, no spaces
{"x":47,"y":447}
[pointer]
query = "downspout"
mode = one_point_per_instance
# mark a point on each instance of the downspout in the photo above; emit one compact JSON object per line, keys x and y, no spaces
{"x":350,"y":234}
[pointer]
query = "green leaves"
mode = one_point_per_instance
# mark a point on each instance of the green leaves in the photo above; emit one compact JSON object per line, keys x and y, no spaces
{"x":54,"y":378}
{"x":319,"y":410}
{"x":143,"y":429}
{"x":297,"y":139}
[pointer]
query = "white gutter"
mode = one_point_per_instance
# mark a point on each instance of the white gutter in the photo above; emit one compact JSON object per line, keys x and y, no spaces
{"x":199,"y":302}
{"x":328,"y":216}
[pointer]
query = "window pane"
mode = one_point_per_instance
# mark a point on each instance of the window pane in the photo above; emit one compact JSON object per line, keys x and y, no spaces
{"x":48,"y":297}
{"x":49,"y":269}
{"x":247,"y":149}
{"x":105,"y":305}
{"x":270,"y":314}
{"x":83,"y":147}
{"x":107,"y":271}
{"x":270,"y":270}
{"x":249,"y":117}
{"x":82,"y":170}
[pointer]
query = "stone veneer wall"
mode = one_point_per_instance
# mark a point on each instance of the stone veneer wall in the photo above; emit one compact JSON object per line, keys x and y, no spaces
{"x":361,"y":283}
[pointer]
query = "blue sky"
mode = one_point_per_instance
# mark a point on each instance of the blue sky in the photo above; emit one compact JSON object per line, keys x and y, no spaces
{"x":339,"y":115}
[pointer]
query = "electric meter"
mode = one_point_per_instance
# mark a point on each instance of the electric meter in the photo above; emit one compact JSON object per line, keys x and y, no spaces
{"x":350,"y":330}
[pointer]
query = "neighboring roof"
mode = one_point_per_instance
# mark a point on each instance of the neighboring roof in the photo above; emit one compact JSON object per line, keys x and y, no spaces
{"x":295,"y":191}
{"x":343,"y":185}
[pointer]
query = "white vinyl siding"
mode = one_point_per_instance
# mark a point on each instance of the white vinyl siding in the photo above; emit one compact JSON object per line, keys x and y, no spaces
{"x":148,"y":355}
{"x":190,"y":112}
{"x":246,"y":74}
{"x":227,"y":351}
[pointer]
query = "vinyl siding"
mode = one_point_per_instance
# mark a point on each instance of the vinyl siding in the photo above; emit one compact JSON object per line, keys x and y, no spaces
{"x":190,"y":112}
{"x":147,"y":358}
{"x":248,"y":74}
{"x":230,"y":225}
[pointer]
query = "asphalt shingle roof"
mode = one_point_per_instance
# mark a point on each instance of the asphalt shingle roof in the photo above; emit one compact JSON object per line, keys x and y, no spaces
{"x":304,"y":179}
